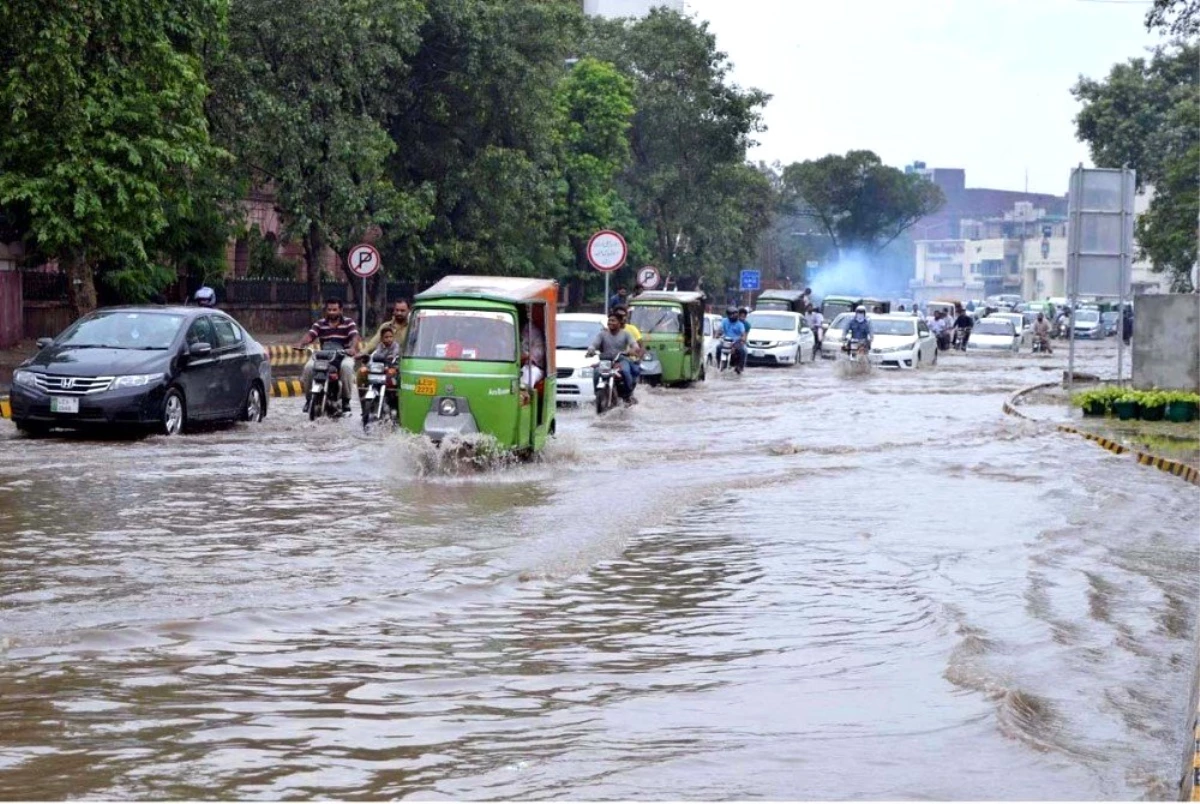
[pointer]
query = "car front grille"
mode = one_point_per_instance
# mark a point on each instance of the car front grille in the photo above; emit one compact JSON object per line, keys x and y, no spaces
{"x":74,"y":386}
{"x":563,"y":373}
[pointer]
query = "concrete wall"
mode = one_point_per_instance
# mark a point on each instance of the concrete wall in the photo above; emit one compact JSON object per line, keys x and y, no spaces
{"x":1166,"y":341}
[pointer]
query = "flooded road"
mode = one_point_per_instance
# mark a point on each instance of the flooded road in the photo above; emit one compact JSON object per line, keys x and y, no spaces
{"x":791,"y":584}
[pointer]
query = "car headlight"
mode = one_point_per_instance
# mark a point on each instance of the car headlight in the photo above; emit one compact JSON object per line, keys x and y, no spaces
{"x":448,"y":407}
{"x":904,"y":348}
{"x":136,"y":380}
{"x":24,"y":378}
{"x":587,"y":371}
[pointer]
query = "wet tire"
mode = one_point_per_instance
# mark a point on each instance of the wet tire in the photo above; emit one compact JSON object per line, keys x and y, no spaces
{"x":314,"y":407}
{"x":174,"y":413}
{"x":254,"y":409}
{"x":32,"y":429}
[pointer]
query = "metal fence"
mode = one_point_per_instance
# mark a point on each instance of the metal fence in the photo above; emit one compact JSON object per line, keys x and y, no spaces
{"x":44,"y":286}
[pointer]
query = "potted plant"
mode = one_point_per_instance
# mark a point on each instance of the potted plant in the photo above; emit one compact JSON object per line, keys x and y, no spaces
{"x":1182,"y":406}
{"x":1152,"y":404}
{"x":1093,"y":402}
{"x":1126,"y":406}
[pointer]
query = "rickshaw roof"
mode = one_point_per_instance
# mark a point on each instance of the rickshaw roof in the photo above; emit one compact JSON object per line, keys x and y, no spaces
{"x":781,"y":293}
{"x":503,"y":288}
{"x":682,"y":296}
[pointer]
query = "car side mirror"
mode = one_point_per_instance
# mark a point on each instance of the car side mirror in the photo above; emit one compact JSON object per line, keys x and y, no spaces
{"x":201,"y":349}
{"x":42,"y":343}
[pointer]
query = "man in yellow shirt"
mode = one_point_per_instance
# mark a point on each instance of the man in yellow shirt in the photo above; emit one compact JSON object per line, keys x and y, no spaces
{"x":399,"y":324}
{"x":635,"y":360}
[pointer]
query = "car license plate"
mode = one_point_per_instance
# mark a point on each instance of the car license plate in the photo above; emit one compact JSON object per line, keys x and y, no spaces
{"x":64,"y":404}
{"x":427,"y":386}
{"x":757,"y":353}
{"x":375,"y":378}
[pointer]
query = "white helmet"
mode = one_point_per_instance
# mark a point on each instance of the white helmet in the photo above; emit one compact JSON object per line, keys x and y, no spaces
{"x":206,"y":297}
{"x":860,"y":309}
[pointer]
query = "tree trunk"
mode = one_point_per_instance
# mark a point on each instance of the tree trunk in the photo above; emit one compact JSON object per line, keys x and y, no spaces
{"x":81,"y":285}
{"x":313,"y":248}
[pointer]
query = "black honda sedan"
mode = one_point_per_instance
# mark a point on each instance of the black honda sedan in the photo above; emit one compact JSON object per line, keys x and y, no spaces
{"x":156,"y":367}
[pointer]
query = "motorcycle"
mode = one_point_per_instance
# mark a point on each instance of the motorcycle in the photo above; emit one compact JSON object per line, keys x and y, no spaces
{"x":856,"y":350}
{"x":1041,"y":345}
{"x":326,"y":399}
{"x":725,"y":354}
{"x":961,"y":336}
{"x":943,"y":341}
{"x":378,"y":396}
{"x":609,"y":375}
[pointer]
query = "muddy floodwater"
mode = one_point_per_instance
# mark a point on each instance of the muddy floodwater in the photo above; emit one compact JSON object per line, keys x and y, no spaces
{"x":791,"y":584}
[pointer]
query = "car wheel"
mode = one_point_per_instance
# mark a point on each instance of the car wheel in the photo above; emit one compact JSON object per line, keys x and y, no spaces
{"x":31,"y":429}
{"x":174,"y":413}
{"x":255,"y":409}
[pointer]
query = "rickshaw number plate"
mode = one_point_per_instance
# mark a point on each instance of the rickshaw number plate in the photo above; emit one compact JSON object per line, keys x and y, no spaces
{"x":375,"y":378}
{"x":427,"y":386}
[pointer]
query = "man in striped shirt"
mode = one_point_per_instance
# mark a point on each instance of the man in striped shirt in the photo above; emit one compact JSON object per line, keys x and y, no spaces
{"x":338,"y":332}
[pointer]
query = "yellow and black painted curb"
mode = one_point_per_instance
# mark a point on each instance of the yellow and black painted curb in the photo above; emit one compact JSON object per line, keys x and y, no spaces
{"x":1194,"y":770}
{"x":278,"y":388}
{"x":281,"y":355}
{"x":286,"y":388}
{"x":1010,"y":406}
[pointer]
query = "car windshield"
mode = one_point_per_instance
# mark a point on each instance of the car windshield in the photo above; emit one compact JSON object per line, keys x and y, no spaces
{"x":768,"y":321}
{"x":1108,"y":318}
{"x":890,"y":327}
{"x":656,"y":319}
{"x":993,"y":327}
{"x":773,"y":304}
{"x":839,"y":322}
{"x":123,"y":330}
{"x":576,"y":334}
{"x":463,"y":335}
{"x":833,"y":309}
{"x":1087,"y":317}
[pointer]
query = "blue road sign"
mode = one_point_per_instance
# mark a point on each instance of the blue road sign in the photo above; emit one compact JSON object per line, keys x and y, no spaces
{"x":750,"y":279}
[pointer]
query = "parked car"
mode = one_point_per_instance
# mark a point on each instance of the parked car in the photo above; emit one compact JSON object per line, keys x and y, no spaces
{"x":573,"y":335}
{"x":901,"y":341}
{"x":1111,"y":322}
{"x":993,"y":334}
{"x":151,"y":367}
{"x":778,"y":338}
{"x":831,"y":341}
{"x":712,"y":337}
{"x":1087,"y":324}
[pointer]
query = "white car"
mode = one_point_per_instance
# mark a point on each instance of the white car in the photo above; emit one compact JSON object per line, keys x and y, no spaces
{"x":902,"y":341}
{"x":831,"y":341}
{"x":778,"y":338}
{"x":573,"y":334}
{"x":993,"y":334}
{"x":1019,"y":323}
{"x":712,"y":337}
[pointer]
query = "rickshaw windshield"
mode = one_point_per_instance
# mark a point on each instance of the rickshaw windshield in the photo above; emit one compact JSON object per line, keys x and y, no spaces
{"x":462,"y":335}
{"x":656,"y":319}
{"x":772,"y":304}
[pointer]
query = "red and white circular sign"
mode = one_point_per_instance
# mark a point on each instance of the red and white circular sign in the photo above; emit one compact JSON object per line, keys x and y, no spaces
{"x":648,"y":277}
{"x":363,"y":260}
{"x":606,"y":250}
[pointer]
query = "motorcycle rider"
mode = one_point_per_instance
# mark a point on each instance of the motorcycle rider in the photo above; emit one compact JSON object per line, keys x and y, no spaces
{"x":399,"y":324}
{"x":206,"y":297}
{"x":1062,"y":324}
{"x":742,"y":313}
{"x":938,"y":326}
{"x":635,"y":359}
{"x":733,"y":329}
{"x":857,"y":328}
{"x":1041,"y":333}
{"x":614,"y":343}
{"x":963,"y":324}
{"x":339,"y":330}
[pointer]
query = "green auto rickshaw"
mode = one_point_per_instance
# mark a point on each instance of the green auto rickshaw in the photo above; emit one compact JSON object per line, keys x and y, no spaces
{"x":480,"y":359}
{"x":672,"y":327}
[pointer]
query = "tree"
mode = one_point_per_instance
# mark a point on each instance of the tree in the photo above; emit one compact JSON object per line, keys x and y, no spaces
{"x":476,"y":130}
{"x":103,"y":127}
{"x":594,"y":106}
{"x":1176,"y":17}
{"x":1146,"y":115}
{"x":302,"y":101}
{"x":688,"y":182}
{"x":859,"y":202}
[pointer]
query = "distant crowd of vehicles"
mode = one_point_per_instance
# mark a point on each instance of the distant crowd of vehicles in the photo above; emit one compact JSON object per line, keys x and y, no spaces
{"x":492,"y":356}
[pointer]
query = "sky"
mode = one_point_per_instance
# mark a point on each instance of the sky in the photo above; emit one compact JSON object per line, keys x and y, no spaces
{"x":982,"y":85}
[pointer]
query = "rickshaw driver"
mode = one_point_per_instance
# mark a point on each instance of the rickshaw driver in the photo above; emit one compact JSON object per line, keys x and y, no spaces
{"x":614,"y":343}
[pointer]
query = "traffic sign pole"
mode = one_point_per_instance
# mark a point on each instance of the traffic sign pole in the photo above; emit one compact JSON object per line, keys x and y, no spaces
{"x":606,"y":251}
{"x":364,"y":261}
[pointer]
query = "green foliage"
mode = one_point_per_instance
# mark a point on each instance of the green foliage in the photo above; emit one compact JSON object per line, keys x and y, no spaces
{"x":1110,"y":394}
{"x":1177,"y":17}
{"x":688,"y":183}
{"x":264,"y":261}
{"x":859,"y":202}
{"x":104,"y":121}
{"x":1146,"y":115}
